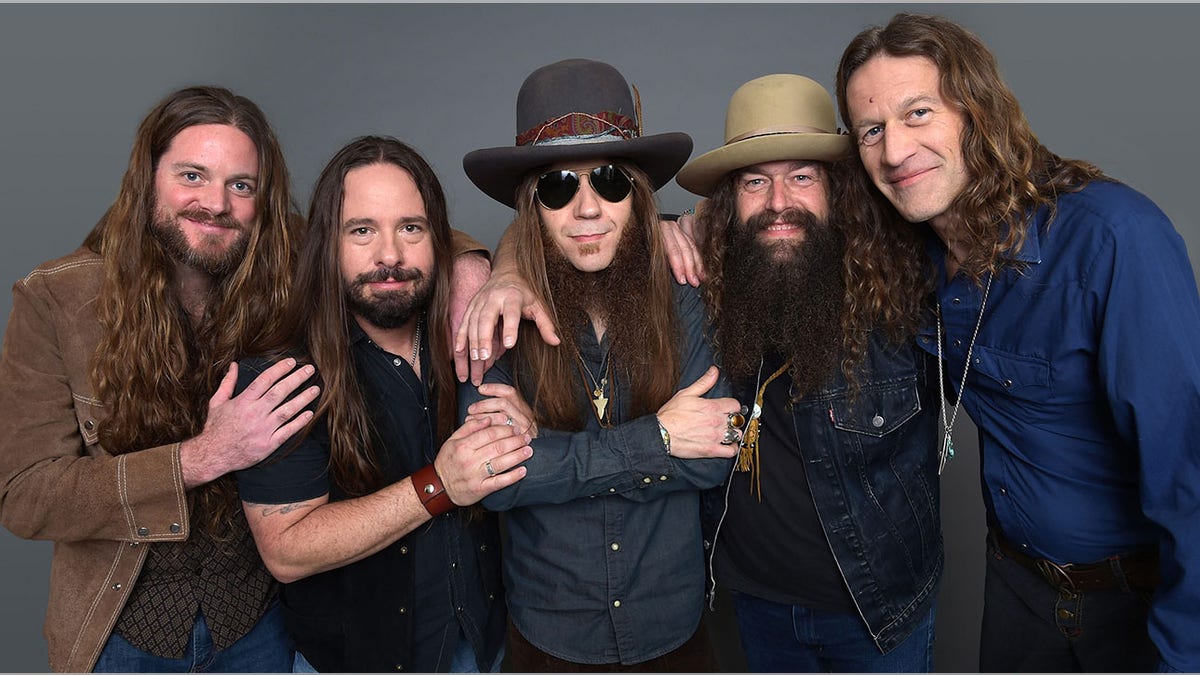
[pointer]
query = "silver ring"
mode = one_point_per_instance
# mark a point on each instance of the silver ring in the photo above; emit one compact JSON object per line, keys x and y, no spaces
{"x":508,"y":420}
{"x":732,"y":435}
{"x":488,"y":465}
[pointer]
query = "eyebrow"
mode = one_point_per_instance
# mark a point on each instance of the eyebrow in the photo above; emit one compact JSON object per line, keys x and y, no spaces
{"x":905,"y":105}
{"x":358,"y":222}
{"x":792,"y":166}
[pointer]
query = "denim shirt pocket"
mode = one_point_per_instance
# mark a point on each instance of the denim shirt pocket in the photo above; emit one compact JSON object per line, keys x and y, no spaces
{"x":877,"y":410}
{"x":1026,"y":377}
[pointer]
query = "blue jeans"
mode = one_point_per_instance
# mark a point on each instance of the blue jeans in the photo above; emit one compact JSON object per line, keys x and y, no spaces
{"x":1030,"y":626}
{"x":779,"y":638}
{"x":265,"y":649}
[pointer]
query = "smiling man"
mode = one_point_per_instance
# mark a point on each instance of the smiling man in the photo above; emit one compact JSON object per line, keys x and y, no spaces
{"x":110,"y":444}
{"x":1066,"y":315}
{"x":359,"y":516}
{"x":605,"y":568}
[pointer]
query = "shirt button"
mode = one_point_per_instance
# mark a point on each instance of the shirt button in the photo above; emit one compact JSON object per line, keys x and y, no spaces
{"x":616,"y":603}
{"x":646,"y":479}
{"x":453,"y":565}
{"x":133,"y":543}
{"x":877,"y":421}
{"x":458,"y":609}
{"x":616,"y":546}
{"x":483,"y":547}
{"x":143,"y":531}
{"x":956,"y":301}
{"x":958,"y":343}
{"x":396,"y":362}
{"x":89,"y":425}
{"x":399,"y":667}
{"x":612,"y":489}
{"x":662,"y":477}
{"x":175,"y":528}
{"x":1007,"y":384}
{"x":116,"y":587}
{"x":403,"y":610}
{"x":1003,"y":491}
{"x":1024,"y":545}
{"x":403,"y":550}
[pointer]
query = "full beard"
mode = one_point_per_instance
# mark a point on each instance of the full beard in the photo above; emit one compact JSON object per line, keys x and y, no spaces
{"x":211,"y":255}
{"x":617,"y":295}
{"x":783,"y":298}
{"x":389,"y":309}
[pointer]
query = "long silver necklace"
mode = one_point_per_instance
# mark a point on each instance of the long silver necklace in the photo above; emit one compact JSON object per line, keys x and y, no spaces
{"x":417,"y":342}
{"x":947,"y":450}
{"x":599,"y":400}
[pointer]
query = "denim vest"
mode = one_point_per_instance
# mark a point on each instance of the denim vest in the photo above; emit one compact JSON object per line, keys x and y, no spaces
{"x":871,"y":463}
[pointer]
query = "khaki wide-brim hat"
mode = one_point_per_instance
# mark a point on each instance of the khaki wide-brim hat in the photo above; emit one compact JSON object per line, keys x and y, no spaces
{"x":771,"y":118}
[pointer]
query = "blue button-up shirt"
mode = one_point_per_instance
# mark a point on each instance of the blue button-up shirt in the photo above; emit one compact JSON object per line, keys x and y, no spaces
{"x":1085,"y":385}
{"x":606,"y":561}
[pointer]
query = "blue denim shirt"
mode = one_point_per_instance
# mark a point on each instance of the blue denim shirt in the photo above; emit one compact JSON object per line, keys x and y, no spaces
{"x":871,"y":464}
{"x":605,"y":562}
{"x":1085,"y":386}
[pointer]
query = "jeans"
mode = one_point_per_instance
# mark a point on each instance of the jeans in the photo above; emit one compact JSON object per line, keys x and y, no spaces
{"x":1029,"y":625}
{"x":778,"y":638}
{"x":265,"y":649}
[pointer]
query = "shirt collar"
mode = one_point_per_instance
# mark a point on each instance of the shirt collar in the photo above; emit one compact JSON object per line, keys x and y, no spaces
{"x":1029,"y":253}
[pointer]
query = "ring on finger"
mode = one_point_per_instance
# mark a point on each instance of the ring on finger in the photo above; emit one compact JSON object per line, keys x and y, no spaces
{"x":508,"y":420}
{"x":732,"y":435}
{"x":490,"y":471}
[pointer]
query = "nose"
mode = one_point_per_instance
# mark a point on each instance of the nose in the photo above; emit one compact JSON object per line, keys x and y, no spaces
{"x":777,"y":199}
{"x":214,"y":198}
{"x":897,"y":144}
{"x":586,"y":204}
{"x":389,"y":250}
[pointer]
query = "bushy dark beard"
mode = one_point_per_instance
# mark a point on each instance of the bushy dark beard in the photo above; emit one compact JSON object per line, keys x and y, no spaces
{"x":618,"y":294}
{"x":782,"y":297}
{"x":217,"y":263}
{"x":390,"y":309}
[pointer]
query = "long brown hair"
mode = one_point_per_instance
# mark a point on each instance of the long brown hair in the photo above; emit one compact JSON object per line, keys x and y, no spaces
{"x":153,"y":369}
{"x":548,"y":376}
{"x":320,"y":316}
{"x":1012,"y":172}
{"x":883,"y":289}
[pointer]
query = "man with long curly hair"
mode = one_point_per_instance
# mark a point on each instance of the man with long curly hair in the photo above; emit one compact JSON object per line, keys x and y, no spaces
{"x":381,"y":571}
{"x":828,"y":534}
{"x":605,"y":567}
{"x":1066,"y":314}
{"x":112,"y":442}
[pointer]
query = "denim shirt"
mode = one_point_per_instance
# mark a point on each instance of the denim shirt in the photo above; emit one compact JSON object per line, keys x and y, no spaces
{"x":871,"y":463}
{"x":1085,"y":386}
{"x":605,"y":562}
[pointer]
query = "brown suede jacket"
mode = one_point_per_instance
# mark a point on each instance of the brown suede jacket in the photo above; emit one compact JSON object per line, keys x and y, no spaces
{"x":57,"y":483}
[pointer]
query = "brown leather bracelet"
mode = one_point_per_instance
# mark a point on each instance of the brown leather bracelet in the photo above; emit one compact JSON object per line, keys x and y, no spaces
{"x":431,"y":492}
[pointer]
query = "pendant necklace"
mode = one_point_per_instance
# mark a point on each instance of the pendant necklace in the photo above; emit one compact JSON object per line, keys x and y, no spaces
{"x":748,"y":457}
{"x":947,"y":451}
{"x":599,"y":400}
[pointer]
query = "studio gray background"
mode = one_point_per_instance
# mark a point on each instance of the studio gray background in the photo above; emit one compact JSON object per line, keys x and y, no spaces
{"x":1112,"y":84}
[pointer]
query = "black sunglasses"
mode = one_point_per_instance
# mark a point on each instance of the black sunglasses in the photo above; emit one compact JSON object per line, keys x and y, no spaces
{"x":556,"y":189}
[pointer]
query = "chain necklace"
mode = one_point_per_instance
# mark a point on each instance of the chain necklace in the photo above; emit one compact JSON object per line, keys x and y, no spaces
{"x":417,"y":342}
{"x":947,"y":451}
{"x":599,"y":400}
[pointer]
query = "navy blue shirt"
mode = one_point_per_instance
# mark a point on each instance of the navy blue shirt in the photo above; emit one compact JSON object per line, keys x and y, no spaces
{"x":403,"y":607}
{"x":606,"y":561}
{"x":1085,"y":386}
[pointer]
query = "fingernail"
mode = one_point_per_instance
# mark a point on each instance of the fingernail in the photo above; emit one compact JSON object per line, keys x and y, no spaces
{"x":483,"y":355}
{"x":509,"y":341}
{"x":474,"y":354}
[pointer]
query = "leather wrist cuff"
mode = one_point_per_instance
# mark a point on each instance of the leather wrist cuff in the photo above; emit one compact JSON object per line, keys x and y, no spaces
{"x":431,"y":492}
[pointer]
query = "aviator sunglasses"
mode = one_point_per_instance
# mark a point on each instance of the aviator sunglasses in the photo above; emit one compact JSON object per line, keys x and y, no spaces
{"x":556,"y":189}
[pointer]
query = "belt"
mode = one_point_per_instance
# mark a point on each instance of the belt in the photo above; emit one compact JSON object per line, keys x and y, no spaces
{"x":1117,"y":572}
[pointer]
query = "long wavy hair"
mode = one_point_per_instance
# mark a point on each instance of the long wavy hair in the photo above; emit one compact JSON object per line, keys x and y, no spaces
{"x":319,"y":318}
{"x":548,"y":376}
{"x":884,"y":290}
{"x":153,"y":368}
{"x":1012,"y":172}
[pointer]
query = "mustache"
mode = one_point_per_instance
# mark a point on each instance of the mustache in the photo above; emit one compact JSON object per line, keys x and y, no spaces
{"x":792,"y":216}
{"x":394,"y":273}
{"x":202,"y":216}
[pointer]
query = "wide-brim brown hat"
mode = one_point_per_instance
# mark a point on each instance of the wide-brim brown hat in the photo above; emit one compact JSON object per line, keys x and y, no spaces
{"x":771,"y":118}
{"x":575,"y":109}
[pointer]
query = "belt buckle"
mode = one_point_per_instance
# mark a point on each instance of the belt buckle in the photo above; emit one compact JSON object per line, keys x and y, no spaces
{"x":1059,"y":576}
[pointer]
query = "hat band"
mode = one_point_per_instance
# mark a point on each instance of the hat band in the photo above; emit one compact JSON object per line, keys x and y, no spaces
{"x":775,"y":131}
{"x":580,"y":127}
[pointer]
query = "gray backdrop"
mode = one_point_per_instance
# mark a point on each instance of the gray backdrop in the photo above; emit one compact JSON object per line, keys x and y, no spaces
{"x":1105,"y":83}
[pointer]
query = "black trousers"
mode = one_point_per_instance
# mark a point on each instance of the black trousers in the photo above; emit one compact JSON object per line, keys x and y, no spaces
{"x":1031,"y":626}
